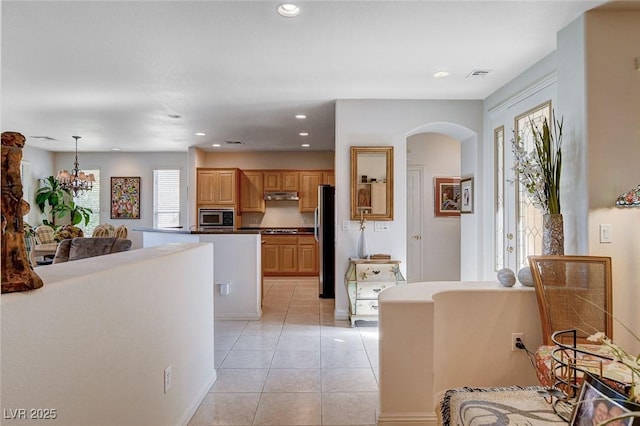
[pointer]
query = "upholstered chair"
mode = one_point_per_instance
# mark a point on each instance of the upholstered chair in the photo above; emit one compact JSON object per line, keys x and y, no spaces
{"x":82,"y":248}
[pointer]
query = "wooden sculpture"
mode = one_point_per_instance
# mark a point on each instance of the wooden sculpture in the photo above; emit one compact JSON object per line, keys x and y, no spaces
{"x":17,"y":273}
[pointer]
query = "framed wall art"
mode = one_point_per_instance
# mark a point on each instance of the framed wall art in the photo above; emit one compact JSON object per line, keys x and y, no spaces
{"x":125,"y":197}
{"x":600,"y":404}
{"x":466,"y":195}
{"x":447,"y":196}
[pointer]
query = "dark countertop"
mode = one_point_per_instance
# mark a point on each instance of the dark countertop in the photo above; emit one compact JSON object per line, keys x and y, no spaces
{"x":198,"y":231}
{"x":245,"y":230}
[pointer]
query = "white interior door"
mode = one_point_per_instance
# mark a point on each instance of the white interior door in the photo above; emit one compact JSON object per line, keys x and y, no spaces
{"x":415,"y":229}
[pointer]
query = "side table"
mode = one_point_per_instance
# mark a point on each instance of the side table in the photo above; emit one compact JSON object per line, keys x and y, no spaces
{"x":364,"y":280}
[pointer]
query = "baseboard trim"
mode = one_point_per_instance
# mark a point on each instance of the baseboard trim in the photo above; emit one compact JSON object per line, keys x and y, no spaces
{"x":191,"y":409}
{"x":238,"y":317}
{"x":341,"y":314}
{"x":402,"y":419}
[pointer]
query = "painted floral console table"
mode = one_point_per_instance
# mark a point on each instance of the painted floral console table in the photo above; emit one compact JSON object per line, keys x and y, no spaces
{"x":364,"y":280}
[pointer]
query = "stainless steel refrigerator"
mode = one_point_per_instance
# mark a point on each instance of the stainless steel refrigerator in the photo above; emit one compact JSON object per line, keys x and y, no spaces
{"x":324,"y":231}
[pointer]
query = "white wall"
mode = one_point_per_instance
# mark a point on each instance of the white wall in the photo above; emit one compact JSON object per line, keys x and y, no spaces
{"x":292,"y":160}
{"x":613,"y":135}
{"x":94,"y":342}
{"x":389,"y":123}
{"x":439,"y":156}
{"x":596,"y":90}
{"x":39,"y":165}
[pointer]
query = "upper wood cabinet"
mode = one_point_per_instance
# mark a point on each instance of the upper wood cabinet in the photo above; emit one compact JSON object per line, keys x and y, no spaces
{"x":251,"y":191}
{"x":279,"y":180}
{"x":329,"y":177}
{"x":217,"y":187}
{"x":309,"y":181}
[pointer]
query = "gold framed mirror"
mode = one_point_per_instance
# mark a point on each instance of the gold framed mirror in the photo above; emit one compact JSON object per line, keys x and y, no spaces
{"x":372,"y":182}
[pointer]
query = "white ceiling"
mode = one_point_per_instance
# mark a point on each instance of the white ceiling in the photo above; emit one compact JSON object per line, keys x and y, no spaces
{"x":112,"y":71}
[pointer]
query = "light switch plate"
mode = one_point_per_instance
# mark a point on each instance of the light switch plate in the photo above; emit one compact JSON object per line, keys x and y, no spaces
{"x":381,"y":226}
{"x":605,"y":233}
{"x":346,"y":225}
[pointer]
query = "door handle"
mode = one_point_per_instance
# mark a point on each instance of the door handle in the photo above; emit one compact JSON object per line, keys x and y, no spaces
{"x":417,"y":237}
{"x":509,"y":236}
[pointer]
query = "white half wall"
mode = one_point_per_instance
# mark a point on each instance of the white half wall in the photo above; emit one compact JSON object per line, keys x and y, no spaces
{"x":237,"y":260}
{"x":94,"y":342}
{"x":441,"y":335}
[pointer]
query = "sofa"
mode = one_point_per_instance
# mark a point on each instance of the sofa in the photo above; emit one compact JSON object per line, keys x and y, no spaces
{"x":82,"y":248}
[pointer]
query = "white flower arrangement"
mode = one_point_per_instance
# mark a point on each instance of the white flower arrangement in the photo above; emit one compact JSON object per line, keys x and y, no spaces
{"x":539,"y":170}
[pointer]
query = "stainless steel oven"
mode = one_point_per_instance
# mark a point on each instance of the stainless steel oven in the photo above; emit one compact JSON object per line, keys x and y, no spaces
{"x":209,"y":218}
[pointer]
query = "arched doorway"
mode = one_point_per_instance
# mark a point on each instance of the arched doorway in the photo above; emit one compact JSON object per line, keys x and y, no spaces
{"x":438,"y":246}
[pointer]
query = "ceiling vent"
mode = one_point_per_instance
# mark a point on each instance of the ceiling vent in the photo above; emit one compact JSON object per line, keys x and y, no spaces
{"x":46,"y":138}
{"x":478,"y":73}
{"x":234,"y":142}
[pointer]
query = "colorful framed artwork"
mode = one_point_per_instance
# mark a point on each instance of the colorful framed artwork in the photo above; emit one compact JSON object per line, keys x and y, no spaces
{"x":447,"y":196}
{"x":125,"y":197}
{"x":598,"y":404}
{"x":466,"y":195}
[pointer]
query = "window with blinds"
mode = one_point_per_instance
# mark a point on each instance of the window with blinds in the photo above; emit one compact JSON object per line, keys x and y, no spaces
{"x":90,"y":200}
{"x":166,"y":198}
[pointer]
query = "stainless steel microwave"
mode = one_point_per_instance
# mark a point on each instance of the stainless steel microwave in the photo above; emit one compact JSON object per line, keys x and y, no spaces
{"x":209,"y":218}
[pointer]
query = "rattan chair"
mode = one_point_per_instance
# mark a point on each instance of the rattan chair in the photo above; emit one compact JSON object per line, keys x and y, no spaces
{"x":574,"y":292}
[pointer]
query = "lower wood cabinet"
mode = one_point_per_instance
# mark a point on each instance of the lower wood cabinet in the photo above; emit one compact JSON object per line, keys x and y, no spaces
{"x":289,"y":255}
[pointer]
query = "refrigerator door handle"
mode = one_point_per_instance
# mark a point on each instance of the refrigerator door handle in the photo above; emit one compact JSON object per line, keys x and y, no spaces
{"x":316,"y":225}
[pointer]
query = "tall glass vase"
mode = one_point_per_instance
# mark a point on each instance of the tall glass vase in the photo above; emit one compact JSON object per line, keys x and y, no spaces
{"x":363,"y":250}
{"x":552,"y":234}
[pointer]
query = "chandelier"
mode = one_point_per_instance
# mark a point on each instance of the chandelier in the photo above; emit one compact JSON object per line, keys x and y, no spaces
{"x":76,"y":181}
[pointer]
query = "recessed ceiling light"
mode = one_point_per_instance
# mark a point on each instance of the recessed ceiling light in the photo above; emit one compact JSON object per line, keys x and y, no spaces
{"x":201,"y":134}
{"x":216,"y":145}
{"x":115,"y":149}
{"x":304,"y":133}
{"x":305,"y":145}
{"x":288,"y":10}
{"x":301,"y":116}
{"x":441,"y":74}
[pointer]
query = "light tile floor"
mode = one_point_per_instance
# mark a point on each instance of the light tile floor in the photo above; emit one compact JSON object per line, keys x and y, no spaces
{"x":296,"y":366}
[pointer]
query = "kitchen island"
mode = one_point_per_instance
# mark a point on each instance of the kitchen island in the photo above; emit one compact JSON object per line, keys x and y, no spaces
{"x":236,"y":262}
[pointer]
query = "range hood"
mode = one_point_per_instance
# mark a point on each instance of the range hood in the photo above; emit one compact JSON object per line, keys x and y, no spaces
{"x":281,"y":196}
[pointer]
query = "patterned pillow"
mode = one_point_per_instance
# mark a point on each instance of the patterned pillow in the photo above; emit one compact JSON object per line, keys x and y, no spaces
{"x":44,"y":235}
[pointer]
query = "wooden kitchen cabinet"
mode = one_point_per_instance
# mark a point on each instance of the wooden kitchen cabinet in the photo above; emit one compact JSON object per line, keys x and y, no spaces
{"x":329,"y":177}
{"x":289,"y":255}
{"x":279,"y":180}
{"x":307,"y":255}
{"x":217,"y":187}
{"x":279,"y":254}
{"x":309,"y":181}
{"x":251,"y":191}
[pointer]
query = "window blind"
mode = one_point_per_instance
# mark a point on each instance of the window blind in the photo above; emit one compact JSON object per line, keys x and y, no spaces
{"x":166,"y":198}
{"x":90,"y":200}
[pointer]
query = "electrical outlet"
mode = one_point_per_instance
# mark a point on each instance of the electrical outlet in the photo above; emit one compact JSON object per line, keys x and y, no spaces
{"x":167,"y":379}
{"x":515,"y":336}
